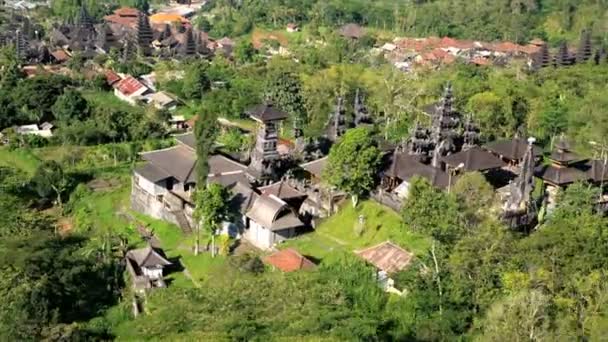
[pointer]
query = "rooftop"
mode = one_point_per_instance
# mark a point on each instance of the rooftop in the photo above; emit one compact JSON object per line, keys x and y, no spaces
{"x":266,"y":112}
{"x":387,"y":257}
{"x":281,"y":190}
{"x":289,"y":260}
{"x":130,"y":86}
{"x":273,"y":214}
{"x":512,"y":149}
{"x":148,"y":257}
{"x":474,"y":159}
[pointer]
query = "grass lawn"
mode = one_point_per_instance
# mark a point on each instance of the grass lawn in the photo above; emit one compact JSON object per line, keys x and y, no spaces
{"x":109,"y":100}
{"x":337,"y":234}
{"x":21,"y":159}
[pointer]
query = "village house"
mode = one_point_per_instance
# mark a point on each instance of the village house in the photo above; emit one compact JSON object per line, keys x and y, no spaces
{"x":388,"y":258}
{"x":146,"y":266}
{"x":162,"y":100}
{"x":130,"y":90}
{"x":289,"y":260}
{"x":44,"y":130}
{"x":270,"y":221}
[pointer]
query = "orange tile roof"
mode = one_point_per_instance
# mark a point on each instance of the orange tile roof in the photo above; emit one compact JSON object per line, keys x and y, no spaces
{"x":111,"y":77}
{"x":129,"y":85}
{"x":289,"y":260}
{"x":117,"y":19}
{"x":127,"y":12}
{"x":160,"y":18}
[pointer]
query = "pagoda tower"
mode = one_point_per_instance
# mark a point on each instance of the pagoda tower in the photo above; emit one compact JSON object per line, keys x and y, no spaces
{"x":189,"y":46}
{"x":338,"y":122}
{"x":265,"y":154}
{"x":419,"y":142}
{"x":21,"y":45}
{"x":143,"y":35}
{"x":563,"y":57}
{"x":361,"y":113}
{"x":471,"y":134}
{"x":84,"y":20}
{"x":585,"y":49}
{"x":520,"y":209}
{"x":446,"y":121}
{"x":543,"y":58}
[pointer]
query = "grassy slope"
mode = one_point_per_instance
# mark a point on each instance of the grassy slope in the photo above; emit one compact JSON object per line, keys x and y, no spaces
{"x":337,"y":234}
{"x":23,"y":160}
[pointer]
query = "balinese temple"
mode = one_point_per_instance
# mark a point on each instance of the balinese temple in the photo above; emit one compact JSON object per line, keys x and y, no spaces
{"x":520,"y":210}
{"x":265,"y":156}
{"x":419,"y":143}
{"x":472,"y":159}
{"x":337,"y":124}
{"x":471,"y":135}
{"x":143,"y":35}
{"x":444,"y":128}
{"x":565,"y":167}
{"x":512,"y":150}
{"x":362,"y":115}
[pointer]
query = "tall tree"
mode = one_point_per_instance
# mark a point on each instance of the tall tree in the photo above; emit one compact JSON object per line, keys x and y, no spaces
{"x":49,"y":179}
{"x":353,"y":163}
{"x":70,"y":105}
{"x":211,"y":209}
{"x":206,"y":131}
{"x":196,"y":82}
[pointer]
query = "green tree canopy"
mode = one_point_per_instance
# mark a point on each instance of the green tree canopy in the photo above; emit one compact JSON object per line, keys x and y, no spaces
{"x":353,"y":163}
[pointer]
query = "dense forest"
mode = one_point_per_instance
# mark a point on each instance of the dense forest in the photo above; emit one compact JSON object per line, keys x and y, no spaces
{"x":477,"y":280}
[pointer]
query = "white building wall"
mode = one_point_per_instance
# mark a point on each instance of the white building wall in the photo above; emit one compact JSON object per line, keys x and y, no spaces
{"x":153,"y":273}
{"x":151,"y":188}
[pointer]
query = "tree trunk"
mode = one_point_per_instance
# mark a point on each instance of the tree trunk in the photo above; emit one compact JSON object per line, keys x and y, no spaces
{"x":438,"y":279}
{"x":355,"y":200}
{"x":197,"y":243}
{"x":213,"y":244}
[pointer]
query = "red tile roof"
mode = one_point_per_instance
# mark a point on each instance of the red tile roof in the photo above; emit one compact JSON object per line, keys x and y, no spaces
{"x":289,"y":260}
{"x":111,"y":77}
{"x":129,"y":85}
{"x":60,"y":55}
{"x":125,"y":21}
{"x":127,"y":12}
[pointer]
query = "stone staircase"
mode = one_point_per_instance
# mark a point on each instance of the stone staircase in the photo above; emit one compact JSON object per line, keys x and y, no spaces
{"x":182,"y":221}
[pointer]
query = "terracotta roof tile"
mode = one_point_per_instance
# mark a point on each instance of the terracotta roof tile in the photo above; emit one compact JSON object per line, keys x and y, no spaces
{"x":289,"y":260}
{"x":129,"y":85}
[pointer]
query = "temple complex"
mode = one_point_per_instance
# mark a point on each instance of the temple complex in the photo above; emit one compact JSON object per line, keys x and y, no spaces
{"x":265,"y":156}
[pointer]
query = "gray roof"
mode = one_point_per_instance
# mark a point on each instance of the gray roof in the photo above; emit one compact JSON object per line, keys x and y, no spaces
{"x":272,"y":213}
{"x":266,"y":112}
{"x":151,"y":173}
{"x":315,"y":167}
{"x":243,"y":197}
{"x":187,"y":139}
{"x":178,"y":161}
{"x":513,"y":149}
{"x":404,"y":166}
{"x":219,"y":164}
{"x":596,"y":170}
{"x":148,"y":257}
{"x":558,"y":175}
{"x":282,"y":190}
{"x":474,"y":159}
